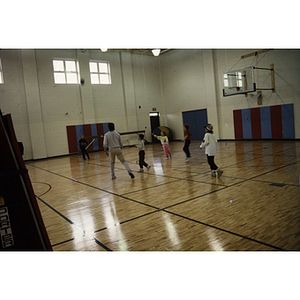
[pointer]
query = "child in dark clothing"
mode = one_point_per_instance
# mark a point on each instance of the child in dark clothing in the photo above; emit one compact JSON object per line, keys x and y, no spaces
{"x":187,"y":141}
{"x":141,"y":147}
{"x":82,"y":144}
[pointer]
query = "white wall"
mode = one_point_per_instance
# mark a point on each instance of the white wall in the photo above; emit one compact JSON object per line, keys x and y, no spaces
{"x":192,"y":79}
{"x":177,"y":81}
{"x":287,"y":72}
{"x":41,"y":110}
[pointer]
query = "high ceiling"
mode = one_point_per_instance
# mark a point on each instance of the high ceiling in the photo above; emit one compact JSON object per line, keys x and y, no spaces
{"x":139,"y":51}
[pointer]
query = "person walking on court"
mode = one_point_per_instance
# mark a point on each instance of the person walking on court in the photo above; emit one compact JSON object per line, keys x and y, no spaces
{"x":113,"y":141}
{"x":141,"y":147}
{"x":210,"y":144}
{"x":187,"y":141}
{"x":165,"y":143}
{"x":82,"y":144}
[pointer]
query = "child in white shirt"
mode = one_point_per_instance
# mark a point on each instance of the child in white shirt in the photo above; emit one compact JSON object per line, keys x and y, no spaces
{"x":210,"y":144}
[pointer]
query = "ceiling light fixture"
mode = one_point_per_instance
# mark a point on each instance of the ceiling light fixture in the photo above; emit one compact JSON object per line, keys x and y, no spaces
{"x":156,"y":52}
{"x":103,"y":49}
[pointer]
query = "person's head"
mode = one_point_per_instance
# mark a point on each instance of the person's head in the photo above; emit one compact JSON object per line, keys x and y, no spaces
{"x":209,"y":128}
{"x":163,"y":133}
{"x":82,"y":136}
{"x":141,"y":137}
{"x":186,"y":127}
{"x":111,"y":126}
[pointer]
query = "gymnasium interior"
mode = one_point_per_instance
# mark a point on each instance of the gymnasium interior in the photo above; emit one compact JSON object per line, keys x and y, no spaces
{"x":55,"y":201}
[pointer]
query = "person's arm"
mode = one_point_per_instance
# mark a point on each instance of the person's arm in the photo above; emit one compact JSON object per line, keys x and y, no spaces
{"x":120,"y":141}
{"x":205,"y":141}
{"x":139,"y":145}
{"x":105,"y":144}
{"x":185,"y":137}
{"x":158,"y":136}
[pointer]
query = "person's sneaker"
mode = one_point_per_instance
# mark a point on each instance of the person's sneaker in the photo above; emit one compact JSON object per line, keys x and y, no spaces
{"x":167,"y":158}
{"x":148,"y":168}
{"x":140,"y":171}
{"x":219,"y":172}
{"x":213,"y":173}
{"x":188,"y":159}
{"x":131,"y":175}
{"x":113,"y":177}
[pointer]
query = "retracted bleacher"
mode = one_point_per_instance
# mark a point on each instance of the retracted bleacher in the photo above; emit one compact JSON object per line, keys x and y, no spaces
{"x":21,"y":224}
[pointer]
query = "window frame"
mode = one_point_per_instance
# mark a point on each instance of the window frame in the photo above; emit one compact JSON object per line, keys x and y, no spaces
{"x":66,"y":72}
{"x":99,"y":72}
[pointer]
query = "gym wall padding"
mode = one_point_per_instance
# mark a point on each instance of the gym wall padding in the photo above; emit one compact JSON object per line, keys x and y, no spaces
{"x":74,"y":133}
{"x":269,"y":122}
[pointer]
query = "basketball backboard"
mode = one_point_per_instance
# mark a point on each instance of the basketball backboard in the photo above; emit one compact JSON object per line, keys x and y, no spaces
{"x":238,"y":82}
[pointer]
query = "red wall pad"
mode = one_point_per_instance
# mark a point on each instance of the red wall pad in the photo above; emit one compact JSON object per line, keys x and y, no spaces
{"x":276,"y":122}
{"x":100,"y":132}
{"x":88,"y":132}
{"x":255,"y":123}
{"x":238,"y":124}
{"x":72,"y":140}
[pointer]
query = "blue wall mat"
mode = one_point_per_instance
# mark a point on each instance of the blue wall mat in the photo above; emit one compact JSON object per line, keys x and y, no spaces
{"x":197,"y":119}
{"x":287,"y":114}
{"x":105,"y":129}
{"x":201,"y":121}
{"x":265,"y":120}
{"x":79,"y":133}
{"x":94,"y":132}
{"x":189,"y":118}
{"x":247,"y":128}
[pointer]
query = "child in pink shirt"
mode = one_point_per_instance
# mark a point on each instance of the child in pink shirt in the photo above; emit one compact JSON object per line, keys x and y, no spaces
{"x":165,"y":143}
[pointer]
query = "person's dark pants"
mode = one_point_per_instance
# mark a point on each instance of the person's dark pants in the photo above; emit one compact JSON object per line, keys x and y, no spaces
{"x":211,"y":162}
{"x":84,"y":152}
{"x":186,"y":148}
{"x":142,"y":159}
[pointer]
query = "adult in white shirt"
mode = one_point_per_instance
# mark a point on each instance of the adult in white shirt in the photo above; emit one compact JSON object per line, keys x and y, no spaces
{"x":112,"y":141}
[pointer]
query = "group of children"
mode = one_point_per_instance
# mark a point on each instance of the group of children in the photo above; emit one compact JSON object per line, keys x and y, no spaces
{"x":113,"y":140}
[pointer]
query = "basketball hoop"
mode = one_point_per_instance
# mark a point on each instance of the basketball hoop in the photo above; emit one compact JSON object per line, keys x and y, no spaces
{"x":237,"y":88}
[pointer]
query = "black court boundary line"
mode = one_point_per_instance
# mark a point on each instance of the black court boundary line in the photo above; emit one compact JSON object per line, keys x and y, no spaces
{"x":129,"y":220}
{"x":229,"y":186}
{"x":199,"y":222}
{"x":254,"y":158}
{"x":60,"y":243}
{"x":164,"y":209}
{"x":227,"y":231}
{"x":72,"y":223}
{"x":156,"y":208}
{"x":151,"y":187}
{"x":100,"y":189}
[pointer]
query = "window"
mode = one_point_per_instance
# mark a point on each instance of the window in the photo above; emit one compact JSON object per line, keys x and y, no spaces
{"x":65,"y":71}
{"x":235,"y":79}
{"x":100,"y":72}
{"x":225,"y":80}
{"x":1,"y":73}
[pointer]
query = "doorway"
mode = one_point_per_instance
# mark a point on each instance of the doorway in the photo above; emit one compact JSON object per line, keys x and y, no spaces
{"x":154,"y":121}
{"x":197,"y":119}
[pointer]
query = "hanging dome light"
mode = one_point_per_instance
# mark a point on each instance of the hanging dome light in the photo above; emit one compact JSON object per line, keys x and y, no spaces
{"x":156,"y":52}
{"x":103,"y":49}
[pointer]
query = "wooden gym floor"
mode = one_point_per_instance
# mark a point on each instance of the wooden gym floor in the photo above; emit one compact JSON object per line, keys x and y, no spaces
{"x":177,"y":205}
